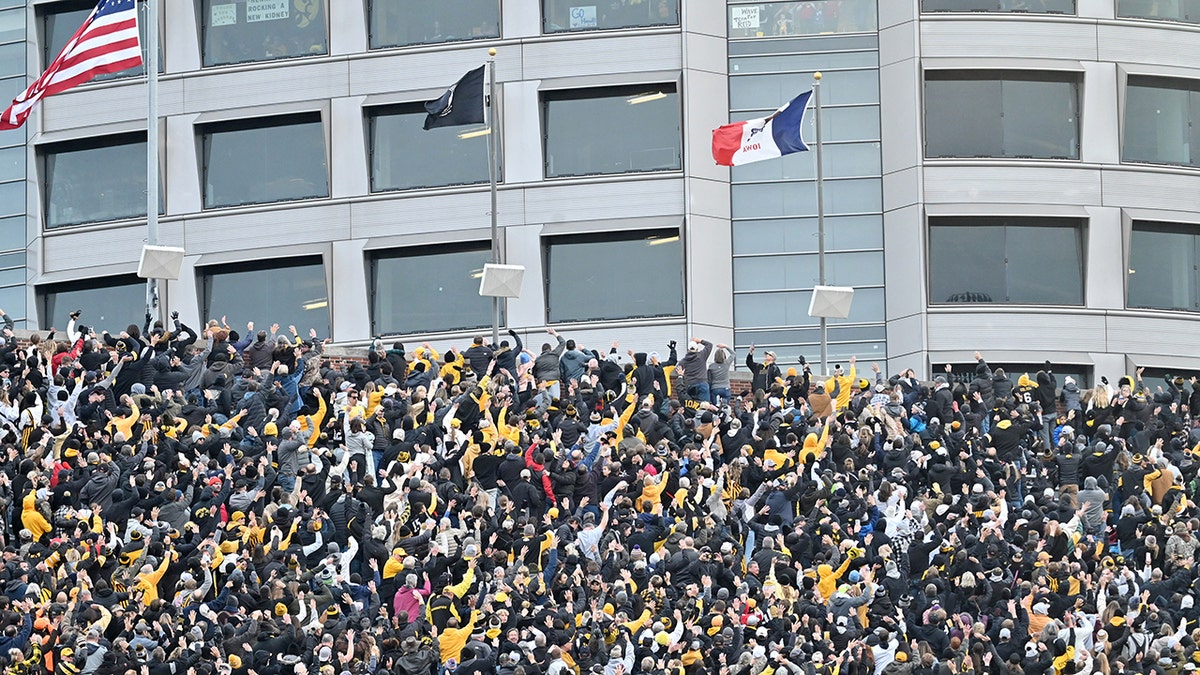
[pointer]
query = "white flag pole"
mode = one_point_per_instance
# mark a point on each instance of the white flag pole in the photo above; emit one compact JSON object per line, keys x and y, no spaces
{"x":821,"y":221}
{"x":151,"y":67}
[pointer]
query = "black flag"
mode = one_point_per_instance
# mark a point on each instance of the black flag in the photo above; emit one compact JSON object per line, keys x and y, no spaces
{"x":461,"y":105}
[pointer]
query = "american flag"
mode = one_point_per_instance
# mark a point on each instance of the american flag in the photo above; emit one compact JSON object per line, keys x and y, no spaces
{"x":106,"y":43}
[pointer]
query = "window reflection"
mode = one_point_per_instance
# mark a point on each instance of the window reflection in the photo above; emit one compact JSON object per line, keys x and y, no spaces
{"x":241,"y":31}
{"x":1162,"y":121}
{"x":578,"y":15}
{"x":1162,"y":266}
{"x":109,"y":303}
{"x":94,"y":180}
{"x":812,"y":17}
{"x":264,"y":160}
{"x":400,"y":23}
{"x":428,"y":290}
{"x":612,"y":130}
{"x":614,"y":275}
{"x":289,"y":292}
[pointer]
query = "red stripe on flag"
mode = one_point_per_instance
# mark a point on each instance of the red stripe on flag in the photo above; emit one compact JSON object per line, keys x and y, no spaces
{"x":727,"y":140}
{"x":91,"y":44}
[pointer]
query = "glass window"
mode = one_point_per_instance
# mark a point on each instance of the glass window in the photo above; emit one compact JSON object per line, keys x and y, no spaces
{"x":12,"y":301}
{"x":790,"y":308}
{"x":94,"y":180}
{"x":1002,"y":114}
{"x":842,"y":160}
{"x":842,"y":233}
{"x":768,"y":92}
{"x":61,"y":20}
{"x":1027,"y":6}
{"x":12,"y":163}
{"x":110,"y":304}
{"x":429,"y":290}
{"x":271,"y":159}
{"x":776,"y":273}
{"x":400,"y":23}
{"x":12,"y":25}
{"x":1162,"y":10}
{"x":12,"y":232}
{"x":561,"y":16}
{"x":12,"y":58}
{"x":241,"y":31}
{"x":405,"y":156}
{"x":12,"y":197}
{"x":291,"y":291}
{"x":1025,"y":261}
{"x":1162,"y":121}
{"x":612,"y":130}
{"x":614,"y":275}
{"x":768,"y":200}
{"x":807,"y":17}
{"x":1162,"y":266}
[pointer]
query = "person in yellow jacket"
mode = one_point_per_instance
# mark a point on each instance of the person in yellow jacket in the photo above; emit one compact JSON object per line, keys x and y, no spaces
{"x":842,"y":383}
{"x":453,"y":638}
{"x":148,"y":578}
{"x":814,"y":446}
{"x":32,"y":519}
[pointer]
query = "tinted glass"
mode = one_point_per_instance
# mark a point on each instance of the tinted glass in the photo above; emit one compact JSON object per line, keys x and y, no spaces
{"x":12,"y":232}
{"x":800,"y":234}
{"x":1163,"y":10}
{"x":766,"y":310}
{"x":1036,"y":261}
{"x":615,"y":130}
{"x":1001,"y":114}
{"x":12,"y":301}
{"x":768,"y":92}
{"x":1162,"y":266}
{"x":574,"y":15}
{"x":240,"y":31}
{"x":290,"y":293}
{"x":269,"y":160}
{"x":108,"y":304}
{"x":63,"y":19}
{"x":404,"y":155}
{"x":619,"y":275}
{"x":809,"y":17}
{"x":428,"y":292}
{"x":1028,"y":6}
{"x":766,"y":200}
{"x":399,"y":23}
{"x":772,"y":273}
{"x":12,"y":25}
{"x":95,"y":180}
{"x":1162,"y":121}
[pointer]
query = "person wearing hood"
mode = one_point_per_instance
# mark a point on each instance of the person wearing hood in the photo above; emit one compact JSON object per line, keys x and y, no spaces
{"x":1093,"y":500}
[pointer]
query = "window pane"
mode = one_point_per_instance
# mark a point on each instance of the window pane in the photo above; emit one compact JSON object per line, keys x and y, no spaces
{"x":108,"y":304}
{"x":572,"y":15}
{"x":748,"y":65}
{"x":12,"y":197}
{"x":9,"y":260}
{"x":12,"y":58}
{"x":1001,"y":114}
{"x":614,"y":130}
{"x":269,"y":160}
{"x":12,"y":163}
{"x":619,"y":275}
{"x":12,"y":232}
{"x":1165,"y":10}
{"x":404,"y":155}
{"x":811,"y":17}
{"x":841,"y":123}
{"x":1162,"y":121}
{"x":240,"y":31}
{"x":753,"y":310}
{"x":1029,"y":6}
{"x":12,"y":300}
{"x":95,"y":180}
{"x":767,"y":200}
{"x":12,"y":25}
{"x":800,"y":234}
{"x":1045,"y":265}
{"x":768,"y":92}
{"x":1031,"y":261}
{"x":771,"y":273}
{"x":399,"y":23}
{"x":1162,"y":267}
{"x":415,"y":291}
{"x":292,"y":292}
{"x":61,"y":21}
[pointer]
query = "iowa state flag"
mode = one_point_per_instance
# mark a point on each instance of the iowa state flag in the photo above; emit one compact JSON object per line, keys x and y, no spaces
{"x":764,"y":138}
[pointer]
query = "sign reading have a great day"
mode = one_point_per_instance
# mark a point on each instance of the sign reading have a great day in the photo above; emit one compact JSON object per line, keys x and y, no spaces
{"x":266,"y":10}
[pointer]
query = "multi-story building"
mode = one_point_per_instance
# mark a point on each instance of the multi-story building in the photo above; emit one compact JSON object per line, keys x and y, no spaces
{"x":1013,"y":176}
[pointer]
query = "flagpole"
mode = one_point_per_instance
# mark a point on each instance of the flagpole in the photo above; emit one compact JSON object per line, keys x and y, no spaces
{"x":821,"y":221}
{"x":493,"y":130}
{"x":152,"y":304}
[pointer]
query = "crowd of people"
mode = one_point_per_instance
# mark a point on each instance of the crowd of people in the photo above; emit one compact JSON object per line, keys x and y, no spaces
{"x":202,"y":501}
